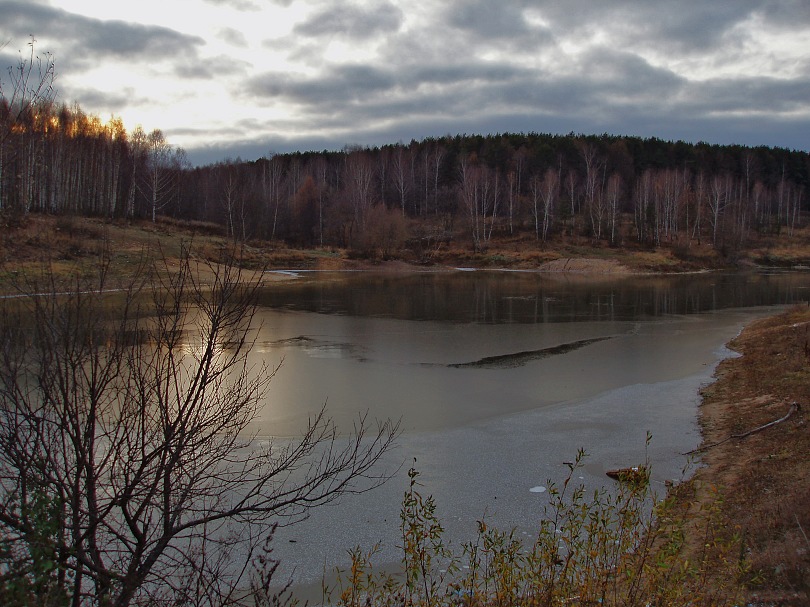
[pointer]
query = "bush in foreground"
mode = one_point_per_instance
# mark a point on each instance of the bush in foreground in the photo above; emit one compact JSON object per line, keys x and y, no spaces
{"x":613,"y":547}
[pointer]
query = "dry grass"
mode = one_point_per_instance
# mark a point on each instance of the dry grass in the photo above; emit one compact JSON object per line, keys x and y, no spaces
{"x":765,"y":476}
{"x":30,"y":240}
{"x":782,"y":250}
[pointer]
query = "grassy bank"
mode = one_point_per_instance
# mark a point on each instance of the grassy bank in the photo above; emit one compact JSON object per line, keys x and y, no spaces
{"x":68,"y":242}
{"x":764,"y":475}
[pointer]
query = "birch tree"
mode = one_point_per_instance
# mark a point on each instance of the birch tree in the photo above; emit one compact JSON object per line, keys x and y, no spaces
{"x":159,"y":181}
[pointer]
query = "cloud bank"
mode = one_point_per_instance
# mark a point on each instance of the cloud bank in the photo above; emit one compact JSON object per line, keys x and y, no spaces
{"x":246,"y":77}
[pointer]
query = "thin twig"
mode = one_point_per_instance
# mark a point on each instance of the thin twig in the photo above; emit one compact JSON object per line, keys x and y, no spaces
{"x":793,"y":408}
{"x":806,"y":541}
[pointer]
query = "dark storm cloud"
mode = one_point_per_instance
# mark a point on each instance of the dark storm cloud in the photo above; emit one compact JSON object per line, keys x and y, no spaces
{"x":352,"y":21}
{"x":84,"y":41}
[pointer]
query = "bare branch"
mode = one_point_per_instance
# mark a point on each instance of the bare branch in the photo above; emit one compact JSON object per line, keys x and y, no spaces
{"x":129,"y":414}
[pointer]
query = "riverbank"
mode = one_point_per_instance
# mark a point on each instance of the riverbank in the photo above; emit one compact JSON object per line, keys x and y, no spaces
{"x":68,"y":242}
{"x":763,"y":471}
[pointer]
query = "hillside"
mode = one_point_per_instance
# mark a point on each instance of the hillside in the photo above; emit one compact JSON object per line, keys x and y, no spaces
{"x":67,"y":242}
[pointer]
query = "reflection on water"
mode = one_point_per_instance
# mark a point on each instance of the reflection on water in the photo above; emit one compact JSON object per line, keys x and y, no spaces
{"x":439,"y":350}
{"x":531,"y":297}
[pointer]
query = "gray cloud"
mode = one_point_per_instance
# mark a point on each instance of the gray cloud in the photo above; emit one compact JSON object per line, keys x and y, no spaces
{"x":762,"y":95}
{"x":786,"y":14}
{"x":352,"y":21}
{"x":233,"y":37}
{"x":619,"y":72}
{"x":113,"y":101}
{"x":427,"y":88}
{"x":84,"y":41}
{"x":338,"y":84}
{"x":476,"y":66}
{"x":243,"y":5}
{"x":488,"y":20}
{"x":688,"y":27}
{"x":212,"y":68}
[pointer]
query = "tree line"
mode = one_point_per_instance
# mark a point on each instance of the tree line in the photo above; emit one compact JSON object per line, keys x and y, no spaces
{"x":469,"y":188}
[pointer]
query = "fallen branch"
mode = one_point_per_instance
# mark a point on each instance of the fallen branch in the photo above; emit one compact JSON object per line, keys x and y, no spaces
{"x":793,"y":408}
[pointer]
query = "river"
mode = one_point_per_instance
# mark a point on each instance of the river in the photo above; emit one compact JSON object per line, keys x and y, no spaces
{"x":497,"y":379}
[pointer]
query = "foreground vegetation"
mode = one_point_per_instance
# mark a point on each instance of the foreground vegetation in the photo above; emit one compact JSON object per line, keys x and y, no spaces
{"x":735,"y":533}
{"x":127,"y":470}
{"x":624,"y":546}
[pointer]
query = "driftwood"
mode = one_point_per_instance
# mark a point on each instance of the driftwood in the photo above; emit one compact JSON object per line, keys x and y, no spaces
{"x":794,"y":407}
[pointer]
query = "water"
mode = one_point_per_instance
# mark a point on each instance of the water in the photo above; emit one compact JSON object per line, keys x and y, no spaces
{"x":497,"y":379}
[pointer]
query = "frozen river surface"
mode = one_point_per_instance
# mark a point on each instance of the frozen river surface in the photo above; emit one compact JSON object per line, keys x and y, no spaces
{"x":498,"y":379}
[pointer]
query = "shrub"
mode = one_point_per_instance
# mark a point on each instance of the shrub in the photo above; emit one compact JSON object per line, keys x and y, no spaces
{"x":618,"y":546}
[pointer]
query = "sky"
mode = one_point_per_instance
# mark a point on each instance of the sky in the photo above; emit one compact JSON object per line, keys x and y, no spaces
{"x":250,"y":78}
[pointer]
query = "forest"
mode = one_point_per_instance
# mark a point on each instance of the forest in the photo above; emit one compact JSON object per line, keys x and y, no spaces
{"x":466,"y":189}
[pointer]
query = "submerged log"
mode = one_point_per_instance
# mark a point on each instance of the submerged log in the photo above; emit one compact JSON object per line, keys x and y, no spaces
{"x":636,"y":475}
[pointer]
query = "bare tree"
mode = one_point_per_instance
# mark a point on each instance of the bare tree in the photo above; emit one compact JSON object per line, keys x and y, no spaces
{"x":233,"y":202}
{"x":273,"y":172}
{"x":437,"y":155}
{"x":127,"y":473}
{"x":643,"y":207}
{"x":721,"y":188}
{"x":476,"y":198}
{"x":536,"y":187}
{"x":546,"y":191}
{"x":359,"y":179}
{"x":613,"y":192}
{"x":594,"y":200}
{"x":402,"y":160}
{"x":160,"y":179}
{"x":31,"y":89}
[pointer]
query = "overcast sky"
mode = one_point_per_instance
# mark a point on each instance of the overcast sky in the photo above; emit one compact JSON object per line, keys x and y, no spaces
{"x":251,"y":77}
